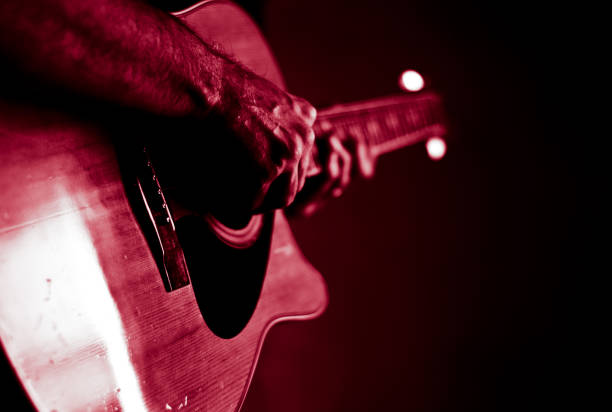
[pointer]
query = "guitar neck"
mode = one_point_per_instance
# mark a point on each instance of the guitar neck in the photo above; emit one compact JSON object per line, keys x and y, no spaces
{"x":389,"y":123}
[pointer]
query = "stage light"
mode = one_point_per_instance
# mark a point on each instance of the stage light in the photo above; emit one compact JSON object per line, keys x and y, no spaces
{"x":436,"y":148}
{"x":411,"y":81}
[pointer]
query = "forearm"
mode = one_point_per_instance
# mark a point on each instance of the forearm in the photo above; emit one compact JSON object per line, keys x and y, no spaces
{"x":129,"y":54}
{"x":121,"y":51}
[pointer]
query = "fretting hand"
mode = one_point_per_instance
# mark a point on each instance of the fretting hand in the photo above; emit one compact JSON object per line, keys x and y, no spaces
{"x":341,"y":159}
{"x":275,"y":127}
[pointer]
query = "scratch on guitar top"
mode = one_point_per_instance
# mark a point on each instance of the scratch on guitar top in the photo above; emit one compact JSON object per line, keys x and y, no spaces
{"x":49,"y":292}
{"x":33,"y":222}
{"x":181,"y":405}
{"x":285,"y":249}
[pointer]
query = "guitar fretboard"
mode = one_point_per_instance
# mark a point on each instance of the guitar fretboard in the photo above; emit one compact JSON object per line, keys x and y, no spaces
{"x":389,"y":123}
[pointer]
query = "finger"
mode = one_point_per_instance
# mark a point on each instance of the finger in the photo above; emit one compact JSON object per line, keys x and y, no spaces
{"x":280,"y":150}
{"x":365,"y":161}
{"x":305,"y":110}
{"x":305,"y":157}
{"x":303,"y":166}
{"x":293,"y":188}
{"x":294,"y":167}
{"x":279,"y":194}
{"x":330,"y":180}
{"x":345,"y":165}
{"x":319,"y":188}
{"x":333,"y":167}
{"x":297,"y":166}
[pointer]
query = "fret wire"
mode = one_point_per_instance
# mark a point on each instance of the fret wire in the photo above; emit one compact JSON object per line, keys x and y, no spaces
{"x":367,"y":138}
{"x":416,"y":119}
{"x":434,"y":112}
{"x":374,"y":123}
{"x":406,"y":120}
{"x":426,"y":114}
{"x":410,"y":120}
{"x":392,"y":122}
{"x":388,"y":122}
{"x":370,"y":128}
{"x":386,"y":132}
{"x":400,"y":114}
{"x":420,"y":120}
{"x":382,"y":135}
{"x":342,"y":129}
{"x":422,"y":115}
{"x":355,"y":130}
{"x":398,"y":129}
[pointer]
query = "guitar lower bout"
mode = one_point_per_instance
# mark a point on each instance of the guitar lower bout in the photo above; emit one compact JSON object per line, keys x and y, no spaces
{"x":100,"y":330}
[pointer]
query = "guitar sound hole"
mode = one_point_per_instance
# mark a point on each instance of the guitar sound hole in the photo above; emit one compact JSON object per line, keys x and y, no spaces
{"x":226,"y":281}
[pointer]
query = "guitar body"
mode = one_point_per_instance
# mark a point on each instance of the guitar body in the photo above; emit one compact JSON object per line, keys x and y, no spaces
{"x":85,"y":318}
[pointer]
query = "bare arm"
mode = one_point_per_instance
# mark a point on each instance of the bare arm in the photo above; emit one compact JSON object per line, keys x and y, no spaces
{"x":130,"y":54}
{"x":123,"y":51}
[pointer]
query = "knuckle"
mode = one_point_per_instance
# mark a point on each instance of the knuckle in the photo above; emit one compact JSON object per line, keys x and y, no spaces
{"x":310,"y":111}
{"x":304,"y":109}
{"x":295,"y":104}
{"x":276,"y":111}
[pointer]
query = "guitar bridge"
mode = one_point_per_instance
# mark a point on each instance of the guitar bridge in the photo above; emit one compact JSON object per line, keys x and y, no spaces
{"x":164,"y":242}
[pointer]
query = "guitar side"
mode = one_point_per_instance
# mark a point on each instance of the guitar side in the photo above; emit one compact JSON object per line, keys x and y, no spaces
{"x":84,"y":316}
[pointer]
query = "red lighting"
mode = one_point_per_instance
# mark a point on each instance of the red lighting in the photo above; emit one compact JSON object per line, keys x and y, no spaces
{"x":436,"y":148}
{"x":411,"y":81}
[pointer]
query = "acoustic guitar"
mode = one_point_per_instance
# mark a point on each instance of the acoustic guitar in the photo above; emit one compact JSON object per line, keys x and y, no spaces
{"x":114,"y":296}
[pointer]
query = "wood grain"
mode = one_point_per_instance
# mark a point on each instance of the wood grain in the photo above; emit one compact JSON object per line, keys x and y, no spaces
{"x":84,"y":316}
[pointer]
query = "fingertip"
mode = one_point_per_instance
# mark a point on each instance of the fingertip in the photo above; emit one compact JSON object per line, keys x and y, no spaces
{"x":333,"y":166}
{"x":367,"y":169}
{"x":294,"y":188}
{"x":366,"y":161}
{"x":311,"y":113}
{"x":302,"y":180}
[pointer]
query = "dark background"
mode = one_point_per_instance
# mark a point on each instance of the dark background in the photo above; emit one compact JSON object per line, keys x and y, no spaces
{"x":447,"y":278}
